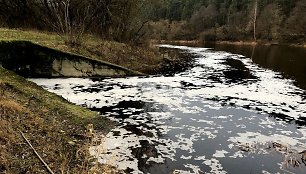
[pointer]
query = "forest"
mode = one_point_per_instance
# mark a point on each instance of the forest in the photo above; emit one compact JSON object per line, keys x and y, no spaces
{"x":231,"y":20}
{"x":137,"y":20}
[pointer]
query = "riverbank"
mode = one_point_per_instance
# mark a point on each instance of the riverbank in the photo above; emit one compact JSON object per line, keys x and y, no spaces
{"x":58,"y":130}
{"x":249,"y":43}
{"x":146,"y":60}
{"x":55,"y":127}
{"x":253,"y":43}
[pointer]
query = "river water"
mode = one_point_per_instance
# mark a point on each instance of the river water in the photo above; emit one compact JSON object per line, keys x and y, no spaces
{"x":223,"y":114}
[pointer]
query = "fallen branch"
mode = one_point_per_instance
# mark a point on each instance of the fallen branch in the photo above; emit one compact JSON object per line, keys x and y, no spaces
{"x":46,"y":165}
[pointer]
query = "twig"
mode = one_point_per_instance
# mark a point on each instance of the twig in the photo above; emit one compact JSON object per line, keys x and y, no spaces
{"x":46,"y":165}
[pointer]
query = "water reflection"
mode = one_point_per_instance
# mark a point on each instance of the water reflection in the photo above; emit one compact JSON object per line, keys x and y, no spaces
{"x":122,"y":109}
{"x":290,"y":61}
{"x":237,"y":71}
{"x":176,"y":61}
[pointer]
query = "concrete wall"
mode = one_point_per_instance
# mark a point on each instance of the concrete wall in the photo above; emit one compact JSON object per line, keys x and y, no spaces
{"x":32,"y":60}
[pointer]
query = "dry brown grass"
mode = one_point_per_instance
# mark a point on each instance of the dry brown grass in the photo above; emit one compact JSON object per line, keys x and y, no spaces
{"x":11,"y":106}
{"x":143,"y":59}
{"x":7,"y":138}
{"x":49,"y":123}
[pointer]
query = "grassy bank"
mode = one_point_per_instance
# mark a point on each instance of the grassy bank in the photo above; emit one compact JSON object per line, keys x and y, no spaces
{"x":55,"y":128}
{"x":143,"y":59}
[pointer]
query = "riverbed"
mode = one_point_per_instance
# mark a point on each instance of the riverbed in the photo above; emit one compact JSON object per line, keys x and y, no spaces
{"x":223,"y":114}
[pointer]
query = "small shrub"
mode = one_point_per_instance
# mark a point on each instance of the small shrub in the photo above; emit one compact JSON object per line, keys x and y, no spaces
{"x":208,"y":36}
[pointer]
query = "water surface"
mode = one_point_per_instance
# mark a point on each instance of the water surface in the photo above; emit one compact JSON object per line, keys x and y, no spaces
{"x":223,"y":114}
{"x":289,"y":61}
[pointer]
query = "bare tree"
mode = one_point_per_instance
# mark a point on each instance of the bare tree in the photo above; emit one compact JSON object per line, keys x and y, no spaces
{"x":269,"y":22}
{"x":296,"y":23}
{"x":70,"y":18}
{"x":255,"y":20}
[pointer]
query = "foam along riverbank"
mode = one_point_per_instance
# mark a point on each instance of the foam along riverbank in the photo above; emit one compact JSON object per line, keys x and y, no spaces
{"x":223,"y":112}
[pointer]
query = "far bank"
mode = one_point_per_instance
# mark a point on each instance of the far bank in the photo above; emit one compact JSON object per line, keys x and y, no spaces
{"x":237,"y":43}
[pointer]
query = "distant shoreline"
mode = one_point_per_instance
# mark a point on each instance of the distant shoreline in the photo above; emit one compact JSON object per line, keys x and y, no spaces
{"x":249,"y":43}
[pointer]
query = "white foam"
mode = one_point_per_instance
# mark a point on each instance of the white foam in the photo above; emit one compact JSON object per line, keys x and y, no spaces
{"x":184,"y":117}
{"x":220,"y":154}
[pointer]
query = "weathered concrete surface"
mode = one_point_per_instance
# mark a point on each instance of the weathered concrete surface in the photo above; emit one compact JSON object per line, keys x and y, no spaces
{"x":32,"y":60}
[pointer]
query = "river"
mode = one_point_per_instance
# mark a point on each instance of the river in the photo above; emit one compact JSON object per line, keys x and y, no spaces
{"x":227,"y":113}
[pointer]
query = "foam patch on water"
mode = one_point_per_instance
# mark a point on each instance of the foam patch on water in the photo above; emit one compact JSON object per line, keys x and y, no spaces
{"x":220,"y":154}
{"x":119,"y":146}
{"x":215,"y":166}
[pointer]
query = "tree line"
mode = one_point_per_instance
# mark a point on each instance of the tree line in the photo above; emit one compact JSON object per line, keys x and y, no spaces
{"x":135,"y":20}
{"x":279,"y":20}
{"x":120,"y":20}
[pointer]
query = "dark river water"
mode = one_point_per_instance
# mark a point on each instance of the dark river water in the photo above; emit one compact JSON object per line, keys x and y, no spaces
{"x":290,"y":61}
{"x":227,"y":113}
